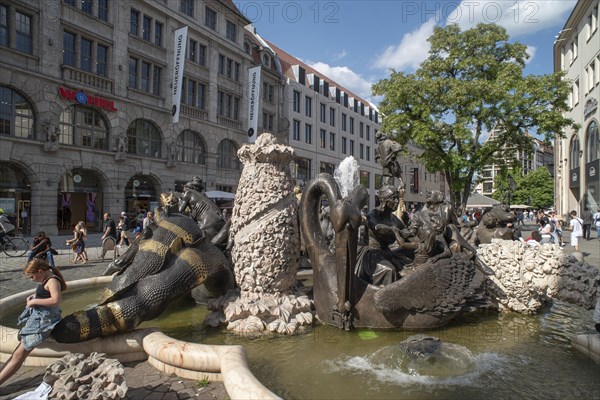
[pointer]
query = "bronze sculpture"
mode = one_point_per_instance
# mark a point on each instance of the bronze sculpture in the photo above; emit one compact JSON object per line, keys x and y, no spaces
{"x":493,"y":225}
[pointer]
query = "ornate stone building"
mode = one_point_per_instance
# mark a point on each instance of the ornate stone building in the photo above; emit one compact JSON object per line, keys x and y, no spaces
{"x":86,"y":105}
{"x":577,"y":155}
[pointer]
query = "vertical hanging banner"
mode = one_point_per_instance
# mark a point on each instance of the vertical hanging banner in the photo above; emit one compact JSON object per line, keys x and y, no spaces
{"x":253,"y":102}
{"x":178,"y":64}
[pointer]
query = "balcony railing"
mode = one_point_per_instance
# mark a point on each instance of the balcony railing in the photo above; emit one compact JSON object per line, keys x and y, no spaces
{"x":88,"y":79}
{"x":193,"y":112}
{"x":231,"y":123}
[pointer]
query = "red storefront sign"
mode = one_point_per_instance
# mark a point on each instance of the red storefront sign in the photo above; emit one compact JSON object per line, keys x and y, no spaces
{"x":79,"y":96}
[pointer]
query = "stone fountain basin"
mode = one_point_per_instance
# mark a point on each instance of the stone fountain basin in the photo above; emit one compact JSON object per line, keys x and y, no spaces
{"x":228,"y":364}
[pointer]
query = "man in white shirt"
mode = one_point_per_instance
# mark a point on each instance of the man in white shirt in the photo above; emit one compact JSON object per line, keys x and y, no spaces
{"x":597,"y":222}
{"x":576,"y":228}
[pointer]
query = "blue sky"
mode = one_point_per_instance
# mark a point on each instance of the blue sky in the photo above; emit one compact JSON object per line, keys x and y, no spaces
{"x":356,"y":43}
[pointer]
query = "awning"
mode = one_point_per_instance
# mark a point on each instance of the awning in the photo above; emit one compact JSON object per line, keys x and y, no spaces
{"x":218,"y":194}
{"x":480,"y":201}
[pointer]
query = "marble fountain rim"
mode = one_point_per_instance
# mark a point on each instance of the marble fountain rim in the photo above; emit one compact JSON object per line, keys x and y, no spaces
{"x":188,"y":360}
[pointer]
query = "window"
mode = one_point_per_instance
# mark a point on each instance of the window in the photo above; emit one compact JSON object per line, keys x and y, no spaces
{"x":368,"y":153}
{"x":296,"y":101}
{"x":23,"y":29}
{"x":69,"y":54}
{"x":323,"y":138}
{"x":266,"y":60}
{"x":144,"y":139}
{"x":101,"y":59}
{"x":192,"y":50}
{"x":16,"y":114}
{"x":201,"y":54}
{"x":300,"y":169}
{"x":191,"y":147}
{"x":229,"y":68}
{"x":327,"y":168}
{"x":228,"y":105}
{"x":103,"y":10}
{"x":576,"y":92}
{"x":592,"y":22}
{"x":593,"y":142}
{"x":308,"y":106}
{"x":86,"y":55}
{"x":574,"y":49}
{"x":227,"y":155}
{"x":268,"y":121}
{"x":332,"y":116}
{"x":158,"y":33}
{"x":134,"y":22}
{"x":365,"y":178}
{"x":144,"y":76}
{"x":4,"y":41}
{"x":83,"y":126}
{"x":268,"y":92}
{"x":351,"y":125}
{"x":574,"y":153}
{"x":368,"y":132}
{"x":361,"y":151}
{"x":308,"y":134}
{"x":344,"y":145}
{"x":86,"y":6}
{"x":296,"y":129}
{"x":194,"y":93}
{"x":351,"y":147}
{"x":133,"y":77}
{"x":344,"y":122}
{"x":361,"y":129}
{"x":210,"y":18}
{"x":146,"y":27}
{"x":322,"y":113}
{"x":231,"y":32}
{"x":331,"y":141}
{"x":187,"y":7}
{"x":591,"y":75}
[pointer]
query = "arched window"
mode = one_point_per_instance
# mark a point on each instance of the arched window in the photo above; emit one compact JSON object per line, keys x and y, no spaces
{"x":592,"y":142}
{"x":16,"y":114}
{"x":266,"y":60}
{"x":227,"y":155}
{"x":191,"y":147}
{"x":143,"y":139}
{"x":83,"y":126}
{"x":574,"y":152}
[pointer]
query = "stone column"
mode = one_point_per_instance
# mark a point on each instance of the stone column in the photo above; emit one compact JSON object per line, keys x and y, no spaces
{"x":266,"y":249}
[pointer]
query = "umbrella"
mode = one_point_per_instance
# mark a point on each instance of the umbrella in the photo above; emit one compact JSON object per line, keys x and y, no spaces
{"x":218,"y":194}
{"x":520,"y":206}
{"x":477,"y":200}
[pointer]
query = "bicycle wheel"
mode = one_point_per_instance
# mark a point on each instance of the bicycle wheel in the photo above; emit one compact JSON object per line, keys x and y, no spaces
{"x":15,"y":247}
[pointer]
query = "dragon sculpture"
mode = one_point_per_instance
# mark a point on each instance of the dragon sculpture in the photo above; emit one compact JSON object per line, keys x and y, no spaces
{"x":430,"y":296}
{"x":173,"y":256}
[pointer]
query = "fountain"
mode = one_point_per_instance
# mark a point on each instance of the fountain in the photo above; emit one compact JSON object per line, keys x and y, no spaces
{"x":487,"y":350}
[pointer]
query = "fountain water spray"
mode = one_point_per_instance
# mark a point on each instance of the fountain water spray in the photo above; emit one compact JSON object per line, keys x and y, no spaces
{"x":346,"y":175}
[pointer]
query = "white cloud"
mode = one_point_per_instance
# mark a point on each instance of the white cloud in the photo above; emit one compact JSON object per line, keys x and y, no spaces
{"x":531,"y":50}
{"x":340,"y":55}
{"x":345,"y":77}
{"x":412,"y":50}
{"x":518,"y":17}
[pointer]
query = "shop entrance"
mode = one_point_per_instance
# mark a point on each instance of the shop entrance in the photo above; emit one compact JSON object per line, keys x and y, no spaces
{"x":15,"y":197}
{"x":80,"y":199}
{"x":141,"y":195}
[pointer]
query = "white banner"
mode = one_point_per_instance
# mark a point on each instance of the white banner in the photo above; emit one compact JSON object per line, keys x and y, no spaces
{"x":253,"y":102}
{"x":178,"y":65}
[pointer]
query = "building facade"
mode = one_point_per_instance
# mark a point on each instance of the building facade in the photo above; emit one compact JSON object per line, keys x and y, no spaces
{"x":328,"y":123}
{"x":577,"y":154}
{"x":86,"y":92}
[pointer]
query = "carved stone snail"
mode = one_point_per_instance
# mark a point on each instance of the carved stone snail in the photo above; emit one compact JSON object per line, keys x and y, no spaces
{"x":429,"y":297}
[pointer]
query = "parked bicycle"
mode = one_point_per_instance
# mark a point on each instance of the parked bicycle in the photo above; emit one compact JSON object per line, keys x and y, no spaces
{"x":14,"y":246}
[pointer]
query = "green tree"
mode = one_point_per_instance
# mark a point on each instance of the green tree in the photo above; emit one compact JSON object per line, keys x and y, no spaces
{"x":535,"y":189}
{"x":471,"y":83}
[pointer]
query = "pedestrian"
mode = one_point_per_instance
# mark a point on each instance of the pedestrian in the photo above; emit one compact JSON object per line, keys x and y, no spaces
{"x":148,"y":220}
{"x":557,"y":228}
{"x":41,"y":314}
{"x":597,"y":222}
{"x":78,"y":243}
{"x":588,"y":219}
{"x":110,"y":233}
{"x":520,"y":218}
{"x":576,"y":228}
{"x":122,"y":233}
{"x":42,"y":248}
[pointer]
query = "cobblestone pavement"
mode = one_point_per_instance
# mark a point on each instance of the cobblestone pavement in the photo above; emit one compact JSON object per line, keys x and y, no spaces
{"x":143,"y":380}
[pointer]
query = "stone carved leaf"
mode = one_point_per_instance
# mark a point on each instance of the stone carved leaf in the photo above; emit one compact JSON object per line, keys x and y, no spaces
{"x":304,"y":318}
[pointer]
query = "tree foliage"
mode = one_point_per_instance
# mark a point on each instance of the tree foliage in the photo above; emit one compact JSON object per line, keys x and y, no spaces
{"x":471,"y":83}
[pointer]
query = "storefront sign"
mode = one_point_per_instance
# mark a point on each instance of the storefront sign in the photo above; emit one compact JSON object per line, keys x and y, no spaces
{"x":178,"y":64}
{"x":79,"y":96}
{"x":591,"y":170}
{"x":253,"y":103}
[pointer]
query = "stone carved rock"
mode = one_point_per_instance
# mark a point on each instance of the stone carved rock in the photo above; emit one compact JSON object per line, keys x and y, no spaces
{"x":266,"y":244}
{"x":95,"y":377}
{"x":527,"y":277}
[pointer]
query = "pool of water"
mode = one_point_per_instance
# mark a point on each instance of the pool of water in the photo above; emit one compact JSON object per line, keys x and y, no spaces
{"x":510,"y":356}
